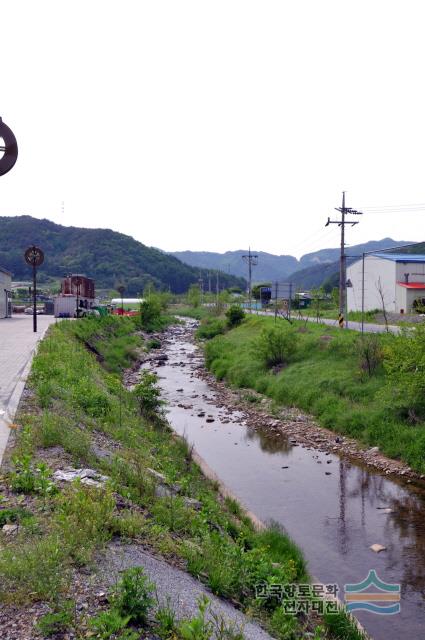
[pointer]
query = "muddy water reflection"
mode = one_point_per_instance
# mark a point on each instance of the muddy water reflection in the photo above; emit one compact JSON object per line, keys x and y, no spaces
{"x":332,"y":508}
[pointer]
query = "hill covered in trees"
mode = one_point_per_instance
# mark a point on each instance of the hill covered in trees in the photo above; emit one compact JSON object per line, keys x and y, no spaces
{"x":311,"y":270}
{"x":109,"y":257}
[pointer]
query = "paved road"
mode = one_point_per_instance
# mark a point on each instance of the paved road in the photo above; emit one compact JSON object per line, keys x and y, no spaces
{"x":369,"y":327}
{"x":17,"y":346}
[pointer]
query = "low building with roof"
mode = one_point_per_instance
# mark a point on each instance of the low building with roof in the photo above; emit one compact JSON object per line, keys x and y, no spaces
{"x":395,"y":280}
{"x":5,"y":293}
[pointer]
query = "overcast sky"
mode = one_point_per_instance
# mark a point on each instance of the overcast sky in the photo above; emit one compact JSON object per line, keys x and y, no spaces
{"x":217,"y":125}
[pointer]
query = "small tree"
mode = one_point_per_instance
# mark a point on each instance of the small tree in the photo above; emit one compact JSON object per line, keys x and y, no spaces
{"x":235,"y":315}
{"x":370,"y":353}
{"x":150,"y":313}
{"x":194,"y":296}
{"x":276,"y":346}
{"x":381,"y":295}
{"x":317,"y":297}
{"x":148,"y":394}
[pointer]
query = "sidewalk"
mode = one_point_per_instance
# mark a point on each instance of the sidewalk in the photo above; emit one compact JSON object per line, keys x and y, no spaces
{"x":17,"y":346}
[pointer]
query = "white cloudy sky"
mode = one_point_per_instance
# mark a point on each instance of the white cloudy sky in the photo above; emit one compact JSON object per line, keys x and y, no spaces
{"x":217,"y":124}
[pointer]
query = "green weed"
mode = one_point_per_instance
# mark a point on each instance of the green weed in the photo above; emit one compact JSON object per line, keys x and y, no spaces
{"x":133,"y":595}
{"x":59,"y":620}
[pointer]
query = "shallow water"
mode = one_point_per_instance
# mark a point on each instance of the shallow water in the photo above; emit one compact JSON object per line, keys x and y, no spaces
{"x":332,"y":508}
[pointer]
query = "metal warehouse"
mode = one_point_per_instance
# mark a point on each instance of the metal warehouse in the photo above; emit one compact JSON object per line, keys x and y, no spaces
{"x":397,"y":280}
{"x":5,"y":292}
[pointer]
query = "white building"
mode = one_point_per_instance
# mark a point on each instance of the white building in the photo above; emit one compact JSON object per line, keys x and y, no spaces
{"x":5,"y":289}
{"x":398,"y":279}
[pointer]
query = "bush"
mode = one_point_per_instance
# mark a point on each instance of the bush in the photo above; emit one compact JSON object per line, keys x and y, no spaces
{"x":276,"y":346}
{"x":151,"y":310}
{"x":209,"y":328}
{"x":29,"y":479}
{"x":148,"y":394}
{"x":235,"y":315}
{"x":370,"y":354}
{"x":405,"y":366}
{"x":133,"y":595}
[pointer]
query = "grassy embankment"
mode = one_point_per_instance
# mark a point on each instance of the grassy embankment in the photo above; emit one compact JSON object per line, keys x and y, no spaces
{"x":77,"y":394}
{"x":326,"y":376}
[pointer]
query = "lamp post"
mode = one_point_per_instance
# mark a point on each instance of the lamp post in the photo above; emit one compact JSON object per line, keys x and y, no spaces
{"x":34,"y":257}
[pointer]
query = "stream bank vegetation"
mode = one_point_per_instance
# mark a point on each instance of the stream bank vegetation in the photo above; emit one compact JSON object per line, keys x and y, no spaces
{"x":370,"y":387}
{"x":146,"y":490}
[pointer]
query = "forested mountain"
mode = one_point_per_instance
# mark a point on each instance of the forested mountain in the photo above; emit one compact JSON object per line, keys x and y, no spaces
{"x":270,"y":267}
{"x":303,"y":272}
{"x":109,"y":257}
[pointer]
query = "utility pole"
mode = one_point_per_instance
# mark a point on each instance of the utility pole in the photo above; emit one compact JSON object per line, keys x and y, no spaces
{"x":342,"y":260}
{"x":201,"y":287}
{"x":252,"y":261}
{"x":217,"y":287}
{"x":209,"y":281}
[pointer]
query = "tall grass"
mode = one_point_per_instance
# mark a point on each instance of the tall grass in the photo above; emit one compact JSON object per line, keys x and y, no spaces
{"x":326,"y":378}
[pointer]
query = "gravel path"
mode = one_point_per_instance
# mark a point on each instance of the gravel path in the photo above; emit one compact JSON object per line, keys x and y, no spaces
{"x":179,"y":587}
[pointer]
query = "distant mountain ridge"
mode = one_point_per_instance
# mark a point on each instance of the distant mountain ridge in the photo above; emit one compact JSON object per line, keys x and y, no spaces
{"x":111,"y":258}
{"x":270,"y":267}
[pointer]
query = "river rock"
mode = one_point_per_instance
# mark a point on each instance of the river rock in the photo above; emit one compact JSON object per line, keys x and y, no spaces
{"x":10,"y":529}
{"x":192,"y":503}
{"x":89,"y":477}
{"x":377,"y":548}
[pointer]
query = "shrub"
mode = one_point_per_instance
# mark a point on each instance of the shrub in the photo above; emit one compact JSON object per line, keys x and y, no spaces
{"x":28,"y":478}
{"x":209,"y":328}
{"x":369,"y":352}
{"x":405,"y":366}
{"x":194,"y":296}
{"x":110,"y":624}
{"x":150,"y":313}
{"x":276,"y":346}
{"x":133,"y":595}
{"x":148,"y":394}
{"x":235,"y":315}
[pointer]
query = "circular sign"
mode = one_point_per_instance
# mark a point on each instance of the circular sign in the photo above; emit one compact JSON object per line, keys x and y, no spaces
{"x":34,"y":256}
{"x":9,"y":147}
{"x":121,"y":289}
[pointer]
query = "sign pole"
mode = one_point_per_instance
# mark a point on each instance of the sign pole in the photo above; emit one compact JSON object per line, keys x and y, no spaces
{"x":34,"y":299}
{"x":34,"y":257}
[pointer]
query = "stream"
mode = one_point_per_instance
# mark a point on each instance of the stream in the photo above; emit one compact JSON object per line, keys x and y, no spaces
{"x":334,"y":509}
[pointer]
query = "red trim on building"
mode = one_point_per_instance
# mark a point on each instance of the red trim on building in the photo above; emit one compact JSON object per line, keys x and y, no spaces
{"x":412,"y":285}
